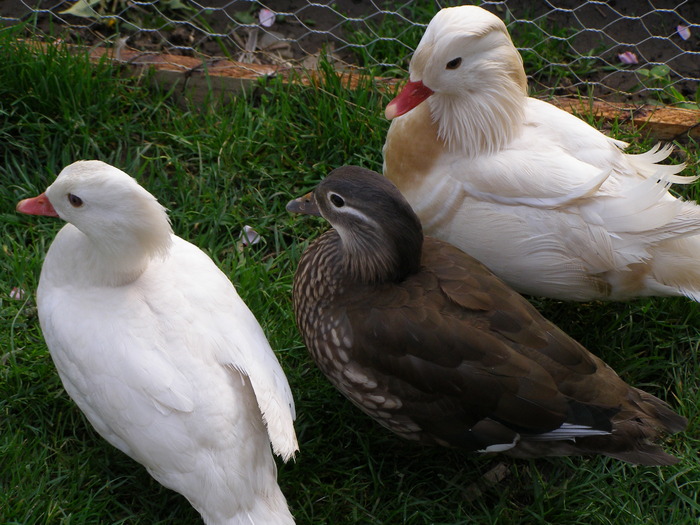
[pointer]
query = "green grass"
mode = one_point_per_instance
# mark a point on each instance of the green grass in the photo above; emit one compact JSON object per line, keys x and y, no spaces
{"x":233,"y":163}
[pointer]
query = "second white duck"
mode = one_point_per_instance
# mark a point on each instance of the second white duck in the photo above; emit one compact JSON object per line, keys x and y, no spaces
{"x":547,"y":202}
{"x":157,"y":349}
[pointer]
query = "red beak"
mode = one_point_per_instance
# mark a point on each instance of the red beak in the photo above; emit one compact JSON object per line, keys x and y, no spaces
{"x":410,"y":96}
{"x":38,"y":205}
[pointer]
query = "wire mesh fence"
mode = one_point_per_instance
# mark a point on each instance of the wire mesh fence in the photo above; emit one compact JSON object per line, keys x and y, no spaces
{"x":628,"y":49}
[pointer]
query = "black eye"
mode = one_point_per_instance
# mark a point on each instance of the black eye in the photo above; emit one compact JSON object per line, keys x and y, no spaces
{"x":454,"y":63}
{"x":75,"y":201}
{"x":337,"y":200}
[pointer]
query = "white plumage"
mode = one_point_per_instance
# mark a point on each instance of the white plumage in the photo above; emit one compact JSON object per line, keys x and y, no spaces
{"x":547,"y":202}
{"x":155,"y":346}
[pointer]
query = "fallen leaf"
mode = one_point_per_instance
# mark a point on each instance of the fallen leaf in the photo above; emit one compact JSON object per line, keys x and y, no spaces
{"x":82,"y":8}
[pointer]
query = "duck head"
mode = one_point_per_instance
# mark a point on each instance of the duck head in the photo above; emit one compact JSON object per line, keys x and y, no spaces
{"x":123,"y":224}
{"x":471,"y":75}
{"x":379,"y":236}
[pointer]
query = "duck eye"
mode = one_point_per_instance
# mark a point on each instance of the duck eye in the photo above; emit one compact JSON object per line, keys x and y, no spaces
{"x":75,"y":201}
{"x":337,"y":200}
{"x":454,"y":63}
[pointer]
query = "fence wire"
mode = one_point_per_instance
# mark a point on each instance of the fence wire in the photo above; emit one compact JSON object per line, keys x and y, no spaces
{"x":628,"y":49}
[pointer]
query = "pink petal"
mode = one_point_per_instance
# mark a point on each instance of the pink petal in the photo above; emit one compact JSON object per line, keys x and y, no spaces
{"x":628,"y":57}
{"x":266,"y":17}
{"x":683,"y":31}
{"x":17,"y":293}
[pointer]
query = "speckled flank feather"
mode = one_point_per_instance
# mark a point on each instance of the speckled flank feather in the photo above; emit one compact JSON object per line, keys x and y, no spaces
{"x":439,"y":350}
{"x":154,"y":345}
{"x":548,"y":203}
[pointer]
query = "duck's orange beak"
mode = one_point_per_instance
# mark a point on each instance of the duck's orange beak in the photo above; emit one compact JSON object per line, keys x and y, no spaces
{"x":38,"y":205}
{"x":410,"y":96}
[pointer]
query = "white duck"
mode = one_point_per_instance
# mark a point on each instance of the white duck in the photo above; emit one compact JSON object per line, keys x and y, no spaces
{"x":547,"y":202}
{"x":157,"y":349}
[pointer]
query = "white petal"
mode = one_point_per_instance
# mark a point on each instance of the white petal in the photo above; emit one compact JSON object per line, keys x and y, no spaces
{"x":249,"y":236}
{"x":17,"y":293}
{"x":683,"y":31}
{"x":628,"y":58}
{"x":266,"y":17}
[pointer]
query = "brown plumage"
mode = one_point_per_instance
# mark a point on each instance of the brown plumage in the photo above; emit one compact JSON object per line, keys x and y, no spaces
{"x":432,"y":345}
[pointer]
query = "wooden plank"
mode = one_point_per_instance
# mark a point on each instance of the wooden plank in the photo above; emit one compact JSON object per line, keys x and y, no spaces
{"x":663,"y":122}
{"x":223,"y":68}
{"x":197,"y":77}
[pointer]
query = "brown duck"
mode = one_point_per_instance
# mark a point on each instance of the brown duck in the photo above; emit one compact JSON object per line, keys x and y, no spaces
{"x":428,"y":342}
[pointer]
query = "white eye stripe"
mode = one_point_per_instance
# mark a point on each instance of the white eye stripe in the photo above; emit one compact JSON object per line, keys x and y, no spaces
{"x":356,"y":213}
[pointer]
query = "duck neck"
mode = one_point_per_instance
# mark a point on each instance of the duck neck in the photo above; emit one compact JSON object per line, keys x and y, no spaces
{"x":370,"y":259}
{"x":95,"y":263}
{"x":483,"y":121}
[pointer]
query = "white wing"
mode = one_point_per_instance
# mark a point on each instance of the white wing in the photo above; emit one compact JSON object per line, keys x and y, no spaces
{"x":173,"y":340}
{"x":239,"y":343}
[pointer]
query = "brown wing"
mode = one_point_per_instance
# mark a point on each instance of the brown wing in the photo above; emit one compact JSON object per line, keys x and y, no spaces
{"x":470,"y":284}
{"x":471,"y":361}
{"x":511,"y":316}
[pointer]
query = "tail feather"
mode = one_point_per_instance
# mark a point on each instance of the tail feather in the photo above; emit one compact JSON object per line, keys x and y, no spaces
{"x":637,"y":428}
{"x":646,"y":454}
{"x":661,"y":414}
{"x":676,"y":267}
{"x":647,"y":165}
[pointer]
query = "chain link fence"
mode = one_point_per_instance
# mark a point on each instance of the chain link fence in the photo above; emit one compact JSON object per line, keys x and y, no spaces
{"x":644,"y":50}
